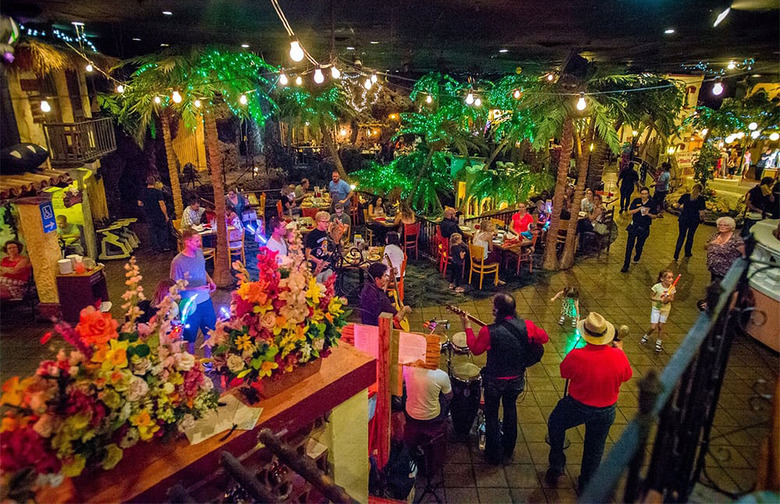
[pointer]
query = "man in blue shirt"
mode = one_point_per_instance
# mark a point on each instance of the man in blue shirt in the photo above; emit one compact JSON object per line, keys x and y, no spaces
{"x":340,"y":191}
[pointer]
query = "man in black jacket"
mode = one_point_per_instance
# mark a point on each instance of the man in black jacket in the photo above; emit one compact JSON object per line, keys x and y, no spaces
{"x":449,"y":224}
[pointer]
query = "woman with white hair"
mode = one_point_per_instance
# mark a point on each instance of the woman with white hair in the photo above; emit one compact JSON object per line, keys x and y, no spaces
{"x":723,"y":248}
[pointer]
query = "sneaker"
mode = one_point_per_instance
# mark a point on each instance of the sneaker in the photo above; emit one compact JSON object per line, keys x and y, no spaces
{"x":560,"y":322}
{"x":658,"y":346}
{"x":644,"y":339}
{"x":551,"y":477}
{"x":573,"y":323}
{"x":624,"y":269}
{"x":636,"y":258}
{"x":460,"y":290}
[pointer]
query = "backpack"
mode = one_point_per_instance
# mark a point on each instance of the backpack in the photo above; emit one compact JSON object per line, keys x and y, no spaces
{"x":400,"y":473}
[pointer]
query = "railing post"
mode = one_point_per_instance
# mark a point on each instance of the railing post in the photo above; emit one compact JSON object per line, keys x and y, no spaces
{"x":649,"y":388}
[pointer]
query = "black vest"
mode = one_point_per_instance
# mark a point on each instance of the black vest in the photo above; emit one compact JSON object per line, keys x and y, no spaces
{"x":508,"y":341}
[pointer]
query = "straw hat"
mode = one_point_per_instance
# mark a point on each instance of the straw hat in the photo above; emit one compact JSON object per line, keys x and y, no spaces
{"x":596,"y":330}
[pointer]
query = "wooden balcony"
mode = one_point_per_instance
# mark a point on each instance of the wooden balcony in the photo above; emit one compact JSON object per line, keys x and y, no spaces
{"x":73,"y":144}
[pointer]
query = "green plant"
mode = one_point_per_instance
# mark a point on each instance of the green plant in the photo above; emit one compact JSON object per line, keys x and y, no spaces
{"x":704,"y":164}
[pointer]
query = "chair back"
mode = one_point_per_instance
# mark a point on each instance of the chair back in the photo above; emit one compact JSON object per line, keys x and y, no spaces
{"x":477,"y":254}
{"x":235,"y":234}
{"x":498,"y":223}
{"x":411,"y":230}
{"x":403,"y":266}
{"x":279,"y":209}
{"x":309,"y":212}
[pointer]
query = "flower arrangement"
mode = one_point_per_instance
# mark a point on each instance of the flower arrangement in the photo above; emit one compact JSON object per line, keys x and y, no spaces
{"x":114,"y":387}
{"x":283,"y":320}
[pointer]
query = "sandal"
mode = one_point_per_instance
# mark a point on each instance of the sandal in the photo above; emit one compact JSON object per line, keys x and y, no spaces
{"x":460,"y":290}
{"x":658,"y":347}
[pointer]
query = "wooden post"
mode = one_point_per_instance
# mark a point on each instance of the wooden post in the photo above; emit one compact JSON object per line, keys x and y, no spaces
{"x":384,"y":366}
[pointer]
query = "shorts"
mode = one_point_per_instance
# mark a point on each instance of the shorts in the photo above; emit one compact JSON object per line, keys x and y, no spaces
{"x":657,"y":316}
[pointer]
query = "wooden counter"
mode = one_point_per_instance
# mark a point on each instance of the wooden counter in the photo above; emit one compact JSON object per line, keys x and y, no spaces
{"x":149,"y":469}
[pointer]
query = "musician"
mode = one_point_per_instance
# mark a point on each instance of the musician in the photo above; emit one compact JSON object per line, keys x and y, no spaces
{"x":505,"y":342}
{"x":595,"y":373}
{"x":394,"y":252}
{"x":428,"y":393}
{"x":318,"y":248}
{"x":374,"y":299}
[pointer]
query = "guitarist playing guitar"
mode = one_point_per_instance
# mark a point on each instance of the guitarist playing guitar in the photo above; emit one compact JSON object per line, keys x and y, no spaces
{"x":512,"y":344}
{"x":374,"y":299}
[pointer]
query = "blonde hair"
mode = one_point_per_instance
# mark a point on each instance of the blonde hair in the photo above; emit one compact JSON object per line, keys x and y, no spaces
{"x":322,"y":216}
{"x":487,"y":226}
{"x":456,"y":238}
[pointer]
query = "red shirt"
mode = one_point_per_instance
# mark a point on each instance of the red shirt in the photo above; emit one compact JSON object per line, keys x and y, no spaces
{"x":596,"y":373}
{"x":520,"y":224}
{"x":481,"y":343}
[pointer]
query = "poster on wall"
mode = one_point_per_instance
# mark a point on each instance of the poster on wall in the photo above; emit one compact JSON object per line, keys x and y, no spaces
{"x":685,"y":162}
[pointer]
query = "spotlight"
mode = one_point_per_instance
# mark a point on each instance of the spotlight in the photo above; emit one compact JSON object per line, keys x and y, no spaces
{"x":45,"y":107}
{"x":283,"y":80}
{"x":296,"y":52}
{"x":176,"y":97}
{"x":318,"y":77}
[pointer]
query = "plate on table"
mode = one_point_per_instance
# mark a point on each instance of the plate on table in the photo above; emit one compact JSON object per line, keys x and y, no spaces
{"x":582,"y":214}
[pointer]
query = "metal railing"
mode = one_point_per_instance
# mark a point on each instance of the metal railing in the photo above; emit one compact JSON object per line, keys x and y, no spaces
{"x":73,"y":144}
{"x":682,"y":401}
{"x":427,"y":238}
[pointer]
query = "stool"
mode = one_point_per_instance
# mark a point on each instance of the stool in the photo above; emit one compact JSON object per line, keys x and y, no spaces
{"x":431,"y":456}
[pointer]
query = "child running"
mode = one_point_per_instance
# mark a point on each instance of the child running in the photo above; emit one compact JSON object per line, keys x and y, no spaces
{"x":570,"y":304}
{"x":662,"y":297}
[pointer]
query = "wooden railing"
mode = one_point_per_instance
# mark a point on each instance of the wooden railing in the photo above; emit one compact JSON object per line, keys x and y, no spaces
{"x":73,"y":144}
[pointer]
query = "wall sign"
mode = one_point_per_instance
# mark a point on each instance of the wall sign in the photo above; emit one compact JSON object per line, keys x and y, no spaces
{"x":47,"y":217}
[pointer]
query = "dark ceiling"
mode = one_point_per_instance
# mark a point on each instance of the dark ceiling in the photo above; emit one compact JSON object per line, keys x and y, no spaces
{"x":454,"y":35}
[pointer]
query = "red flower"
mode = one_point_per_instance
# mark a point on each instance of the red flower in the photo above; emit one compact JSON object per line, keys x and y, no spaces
{"x":22,"y":448}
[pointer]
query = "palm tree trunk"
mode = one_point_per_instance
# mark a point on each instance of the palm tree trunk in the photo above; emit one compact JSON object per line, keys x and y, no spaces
{"x":550,"y":249}
{"x":495,"y":153}
{"x":173,"y":171}
{"x":596,"y":171}
{"x":420,"y":175}
{"x":643,"y":150}
{"x":567,"y":260}
{"x":222,"y":275}
{"x":327,"y":139}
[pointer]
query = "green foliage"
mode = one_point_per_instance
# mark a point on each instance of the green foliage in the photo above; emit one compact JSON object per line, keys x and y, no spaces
{"x":704,"y":165}
{"x":506,"y":182}
{"x":322,"y":107}
{"x":734,"y":115}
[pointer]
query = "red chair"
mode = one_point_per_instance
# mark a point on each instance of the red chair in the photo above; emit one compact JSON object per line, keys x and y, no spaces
{"x":443,"y":251}
{"x":526,"y":254}
{"x":411,"y":238}
{"x":309,"y":212}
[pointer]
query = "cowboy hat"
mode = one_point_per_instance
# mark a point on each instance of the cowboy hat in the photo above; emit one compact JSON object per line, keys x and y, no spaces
{"x":596,"y":330}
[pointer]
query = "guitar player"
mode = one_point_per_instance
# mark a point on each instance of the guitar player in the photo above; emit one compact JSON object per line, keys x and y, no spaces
{"x":374,"y":299}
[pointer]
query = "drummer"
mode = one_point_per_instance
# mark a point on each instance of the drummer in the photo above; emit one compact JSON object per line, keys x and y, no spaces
{"x":504,"y":372}
{"x":428,"y":393}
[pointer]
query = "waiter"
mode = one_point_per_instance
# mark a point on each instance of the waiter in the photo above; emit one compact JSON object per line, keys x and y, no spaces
{"x":506,"y":343}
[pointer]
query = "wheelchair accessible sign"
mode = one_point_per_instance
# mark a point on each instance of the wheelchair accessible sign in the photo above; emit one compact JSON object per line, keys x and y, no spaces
{"x":47,"y":217}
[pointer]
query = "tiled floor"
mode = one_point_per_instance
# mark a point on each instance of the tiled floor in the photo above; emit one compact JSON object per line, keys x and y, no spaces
{"x":622,"y":298}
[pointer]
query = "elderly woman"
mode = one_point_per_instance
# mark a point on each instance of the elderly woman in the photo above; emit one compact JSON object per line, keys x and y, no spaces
{"x":723,"y":248}
{"x":15,"y":271}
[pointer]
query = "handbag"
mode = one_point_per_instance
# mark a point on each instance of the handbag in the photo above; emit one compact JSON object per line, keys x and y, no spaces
{"x":600,"y":228}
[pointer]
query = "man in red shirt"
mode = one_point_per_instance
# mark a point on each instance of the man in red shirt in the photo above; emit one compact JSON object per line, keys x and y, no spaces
{"x":506,"y":343}
{"x":595,"y":373}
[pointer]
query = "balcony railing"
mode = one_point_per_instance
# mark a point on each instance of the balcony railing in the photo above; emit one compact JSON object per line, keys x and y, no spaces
{"x":73,"y":144}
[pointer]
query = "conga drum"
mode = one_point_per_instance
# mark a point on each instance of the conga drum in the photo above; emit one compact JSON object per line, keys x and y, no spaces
{"x":466,"y":388}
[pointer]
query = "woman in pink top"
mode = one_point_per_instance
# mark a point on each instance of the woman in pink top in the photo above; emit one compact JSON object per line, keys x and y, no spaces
{"x":14,"y":270}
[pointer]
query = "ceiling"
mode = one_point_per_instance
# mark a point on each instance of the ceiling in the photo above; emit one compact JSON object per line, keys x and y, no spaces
{"x":422,"y":35}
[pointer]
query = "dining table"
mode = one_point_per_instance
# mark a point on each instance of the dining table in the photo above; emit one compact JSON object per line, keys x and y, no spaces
{"x":311,"y":201}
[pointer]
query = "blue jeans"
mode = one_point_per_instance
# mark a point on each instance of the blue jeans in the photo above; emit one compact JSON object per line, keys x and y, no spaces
{"x":497,"y":444}
{"x":571,"y":413}
{"x":202,"y":318}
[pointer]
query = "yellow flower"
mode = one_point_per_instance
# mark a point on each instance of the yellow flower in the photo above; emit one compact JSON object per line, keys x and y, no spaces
{"x":244,"y":342}
{"x":146,"y":426}
{"x":13,"y":391}
{"x":113,"y":456}
{"x":313,"y":292}
{"x":114,"y":356}
{"x":266,"y":368}
{"x":74,"y":466}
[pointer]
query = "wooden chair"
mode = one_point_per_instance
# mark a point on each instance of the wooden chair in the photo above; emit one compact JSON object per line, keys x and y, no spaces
{"x":400,"y":294}
{"x":308,"y":212}
{"x":526,"y":254}
{"x":235,"y":237}
{"x":368,"y":231}
{"x":411,"y":238}
{"x":478,"y":265}
{"x":442,"y":251}
{"x":597,"y":240}
{"x":498,"y":223}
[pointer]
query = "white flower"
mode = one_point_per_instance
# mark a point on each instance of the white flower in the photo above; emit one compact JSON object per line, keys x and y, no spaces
{"x":141,"y":366}
{"x":168,"y":388}
{"x":319,"y":344}
{"x":137,"y":389}
{"x":186,"y":423}
{"x":185,"y":361}
{"x":235,"y":363}
{"x":207,"y":384}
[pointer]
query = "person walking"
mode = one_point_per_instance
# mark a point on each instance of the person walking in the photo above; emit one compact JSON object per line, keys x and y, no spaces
{"x":152,"y":202}
{"x":662,"y":187}
{"x":340,"y":191}
{"x":692,"y":206}
{"x":508,"y":344}
{"x":723,"y":248}
{"x":662,"y":296}
{"x":643,"y":211}
{"x":595,"y":373}
{"x":198,"y":309}
{"x":627,"y":181}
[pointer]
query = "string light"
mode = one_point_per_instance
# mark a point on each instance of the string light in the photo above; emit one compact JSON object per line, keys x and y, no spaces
{"x":335,"y":72}
{"x":157,"y":100}
{"x":717,"y":88}
{"x":469,"y":98}
{"x":368,"y":84}
{"x":45,"y":107}
{"x":296,"y":51}
{"x":550,"y":77}
{"x":429,"y":99}
{"x":242,"y":99}
{"x":89,"y":67}
{"x":730,"y":138}
{"x":704,"y":132}
{"x":318,"y":77}
{"x":516,"y":94}
{"x":196,"y":103}
{"x":732,"y":65}
{"x":774,"y":137}
{"x":373,"y":78}
{"x":581,"y":103}
{"x":741,"y":135}
{"x":755,"y":135}
{"x":283,"y":79}
{"x":477,"y":102}
{"x":753,"y":126}
{"x":634,"y":133}
{"x":176,"y":97}
{"x":298,"y":81}
{"x":120,"y":89}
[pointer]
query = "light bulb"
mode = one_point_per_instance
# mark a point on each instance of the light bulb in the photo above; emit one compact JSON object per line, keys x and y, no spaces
{"x":335,"y":72}
{"x":774,"y":137}
{"x":753,"y":126}
{"x":721,"y":17}
{"x":296,"y":52}
{"x":45,"y":107}
{"x":581,"y":104}
{"x":741,"y":135}
{"x":469,"y":99}
{"x":89,"y":67}
{"x":298,"y":81}
{"x":318,"y":77}
{"x":157,"y":100}
{"x":717,"y":89}
{"x":729,"y":139}
{"x":196,"y":103}
{"x":368,"y":84}
{"x":477,"y":102}
{"x":120,"y":89}
{"x":634,"y":133}
{"x":670,"y":150}
{"x":755,"y":134}
{"x":704,"y":132}
{"x":242,"y":99}
{"x":732,"y":65}
{"x":343,"y":132}
{"x":429,"y":99}
{"x":590,"y":148}
{"x":550,"y":77}
{"x":516,"y":94}
{"x":283,"y":80}
{"x":176,"y":97}
{"x":373,"y":78}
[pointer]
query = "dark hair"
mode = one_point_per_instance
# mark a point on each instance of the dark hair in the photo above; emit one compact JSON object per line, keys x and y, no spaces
{"x":663,"y":273}
{"x":192,"y":199}
{"x":304,"y":181}
{"x":767,"y":180}
{"x":666,"y":166}
{"x":504,"y":306}
{"x":273,"y":223}
{"x":393,"y":238}
{"x":571,"y":292}
{"x":14,"y":242}
{"x":150,"y":180}
{"x":377,"y":270}
{"x":644,"y":189}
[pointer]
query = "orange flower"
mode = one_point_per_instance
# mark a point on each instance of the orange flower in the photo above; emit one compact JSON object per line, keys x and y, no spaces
{"x":95,"y":327}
